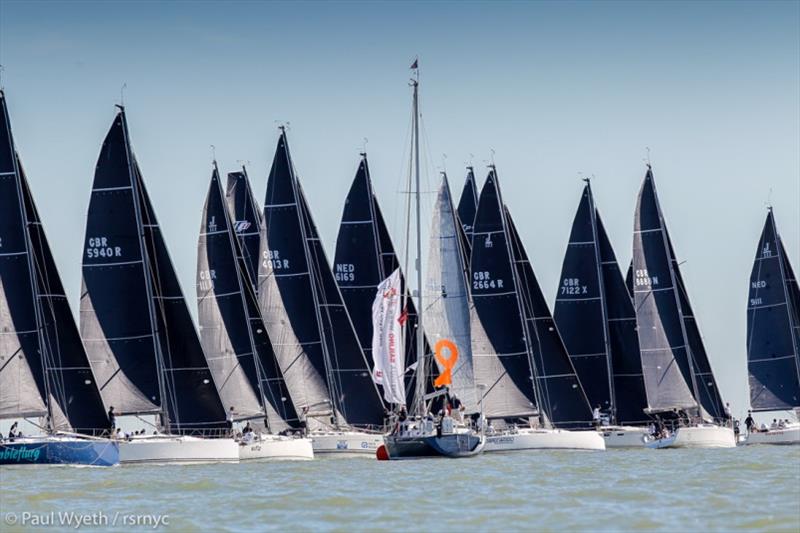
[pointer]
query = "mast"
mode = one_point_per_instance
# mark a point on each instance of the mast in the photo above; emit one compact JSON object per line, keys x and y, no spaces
{"x":162,"y":386}
{"x":419,"y":397}
{"x":603,"y":304}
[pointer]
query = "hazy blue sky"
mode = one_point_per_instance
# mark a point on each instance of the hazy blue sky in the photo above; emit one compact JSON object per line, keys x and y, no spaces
{"x":555,"y":89}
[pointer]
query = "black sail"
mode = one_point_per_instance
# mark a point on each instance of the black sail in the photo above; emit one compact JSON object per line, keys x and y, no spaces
{"x":580,"y":308}
{"x":662,"y":339}
{"x":115,"y":309}
{"x":23,"y":391}
{"x":222,"y":316}
{"x":561,"y":395}
{"x":773,"y":339}
{"x":365,"y":256}
{"x":357,"y":395}
{"x":708,"y":394}
{"x":75,"y":401}
{"x":504,"y":369}
{"x":626,"y":361}
{"x":235,"y":340}
{"x":318,"y":349}
{"x":247,"y":220}
{"x":194,"y":406}
{"x":468,"y":204}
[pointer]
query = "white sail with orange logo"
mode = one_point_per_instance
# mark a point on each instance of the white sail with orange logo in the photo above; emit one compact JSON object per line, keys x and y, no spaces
{"x":387,"y":339}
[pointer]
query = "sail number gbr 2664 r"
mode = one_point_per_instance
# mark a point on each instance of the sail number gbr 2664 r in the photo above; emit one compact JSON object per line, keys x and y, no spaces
{"x":99,"y":247}
{"x":483,"y":280}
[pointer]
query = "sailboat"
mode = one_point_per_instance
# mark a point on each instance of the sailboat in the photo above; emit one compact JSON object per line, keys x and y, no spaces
{"x":234,"y":338}
{"x":247,"y":221}
{"x":315,"y":342}
{"x":364,"y":257}
{"x":468,"y":206}
{"x":681,"y":390}
{"x":532,"y":396}
{"x":595,"y":316}
{"x":418,"y":434}
{"x":135,"y":323}
{"x":44,"y":371}
{"x":773,"y":336}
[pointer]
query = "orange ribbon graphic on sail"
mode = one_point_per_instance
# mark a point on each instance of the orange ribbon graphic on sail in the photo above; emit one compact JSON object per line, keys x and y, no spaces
{"x":447,"y":363}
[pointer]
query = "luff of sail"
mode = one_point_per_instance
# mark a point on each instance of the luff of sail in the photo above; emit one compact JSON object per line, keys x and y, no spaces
{"x":662,"y":340}
{"x":75,"y":401}
{"x":22,"y":379}
{"x":447,"y":314}
{"x":115,"y":309}
{"x":561,"y":395}
{"x":247,"y":220}
{"x":501,"y":366}
{"x":773,"y":343}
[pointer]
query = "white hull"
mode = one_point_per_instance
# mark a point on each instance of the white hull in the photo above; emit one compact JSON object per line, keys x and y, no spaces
{"x":701,"y":436}
{"x":276,"y":448}
{"x":163,"y":449}
{"x":789,"y":435}
{"x":543,"y":439}
{"x":623,"y":436}
{"x":346,"y":443}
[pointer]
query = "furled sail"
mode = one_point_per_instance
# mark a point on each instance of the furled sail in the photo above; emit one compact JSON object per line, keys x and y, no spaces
{"x":247,"y":220}
{"x":235,"y":341}
{"x":503,"y":370}
{"x":314,"y":340}
{"x":561,"y":395}
{"x":773,"y":338}
{"x":365,"y":256}
{"x":595,"y":316}
{"x":22,"y":378}
{"x":662,"y":339}
{"x":468,"y":205}
{"x":447,"y":313}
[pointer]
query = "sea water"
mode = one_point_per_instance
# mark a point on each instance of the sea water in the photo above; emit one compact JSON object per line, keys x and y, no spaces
{"x":756,"y":487}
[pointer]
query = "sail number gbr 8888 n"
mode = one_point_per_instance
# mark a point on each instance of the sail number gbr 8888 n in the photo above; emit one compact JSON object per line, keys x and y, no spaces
{"x":98,"y":247}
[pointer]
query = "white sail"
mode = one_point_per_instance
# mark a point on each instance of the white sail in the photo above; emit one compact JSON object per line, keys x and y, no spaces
{"x":387,"y":339}
{"x":447,"y":316}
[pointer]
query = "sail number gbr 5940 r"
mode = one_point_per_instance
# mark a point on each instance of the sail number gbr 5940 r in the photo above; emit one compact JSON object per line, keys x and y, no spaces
{"x":99,"y":247}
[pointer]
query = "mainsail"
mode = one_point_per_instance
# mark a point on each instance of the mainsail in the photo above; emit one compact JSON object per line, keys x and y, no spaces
{"x":561,"y":395}
{"x":43,"y":368}
{"x":247,"y":220}
{"x":22,"y":379}
{"x":468,"y":205}
{"x":595,"y":316}
{"x":773,"y":337}
{"x":234,"y":338}
{"x":139,"y":335}
{"x":365,"y":256}
{"x":314,"y":339}
{"x":447,"y":315}
{"x":669,"y":380}
{"x":502,"y":366}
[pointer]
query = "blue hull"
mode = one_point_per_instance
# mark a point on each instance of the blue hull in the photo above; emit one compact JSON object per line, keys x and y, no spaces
{"x":461,"y":445}
{"x":60,"y":452}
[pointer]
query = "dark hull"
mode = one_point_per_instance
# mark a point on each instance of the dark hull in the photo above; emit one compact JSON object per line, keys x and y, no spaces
{"x":60,"y":452}
{"x":456,"y":445}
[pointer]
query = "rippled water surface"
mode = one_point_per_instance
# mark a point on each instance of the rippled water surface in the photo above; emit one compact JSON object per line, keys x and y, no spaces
{"x":754,"y":487}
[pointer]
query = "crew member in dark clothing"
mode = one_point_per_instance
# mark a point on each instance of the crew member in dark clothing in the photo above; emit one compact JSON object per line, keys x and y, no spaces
{"x":749,"y":422}
{"x":112,"y":417}
{"x":11,"y":434}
